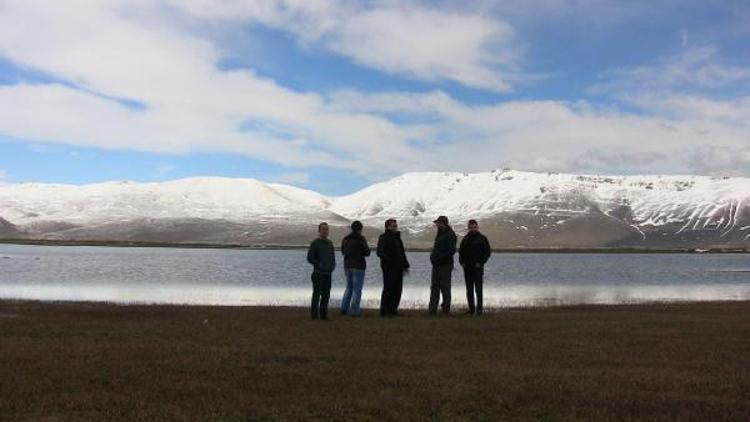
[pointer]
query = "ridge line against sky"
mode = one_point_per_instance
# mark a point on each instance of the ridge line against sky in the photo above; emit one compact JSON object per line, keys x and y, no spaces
{"x":495,"y":173}
{"x":333,"y":95}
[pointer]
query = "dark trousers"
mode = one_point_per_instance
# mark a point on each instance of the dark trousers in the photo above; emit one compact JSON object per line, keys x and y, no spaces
{"x":393,"y":286}
{"x":474,"y":277}
{"x":441,"y":284}
{"x":321,"y":292}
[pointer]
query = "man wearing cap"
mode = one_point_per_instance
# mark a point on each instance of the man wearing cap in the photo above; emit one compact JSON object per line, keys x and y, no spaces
{"x":472,"y":255}
{"x":442,"y":265}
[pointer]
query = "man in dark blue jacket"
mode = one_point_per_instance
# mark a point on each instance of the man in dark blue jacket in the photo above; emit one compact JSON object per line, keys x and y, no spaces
{"x":323,"y":259}
{"x":442,"y":265}
{"x":393,"y":262}
{"x":473,"y":254}
{"x":355,"y":249}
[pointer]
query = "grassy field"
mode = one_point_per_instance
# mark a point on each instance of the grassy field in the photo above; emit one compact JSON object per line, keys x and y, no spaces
{"x":108,"y":362}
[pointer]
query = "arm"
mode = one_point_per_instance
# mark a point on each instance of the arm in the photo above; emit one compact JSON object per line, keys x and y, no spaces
{"x":403,"y":255}
{"x":452,"y":240}
{"x":462,"y":251}
{"x":347,"y":247}
{"x":487,"y":250}
{"x":382,"y":250}
{"x":312,"y":255}
{"x":365,"y":247}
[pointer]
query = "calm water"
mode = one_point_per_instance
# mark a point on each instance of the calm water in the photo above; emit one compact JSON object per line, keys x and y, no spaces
{"x":272,"y":277}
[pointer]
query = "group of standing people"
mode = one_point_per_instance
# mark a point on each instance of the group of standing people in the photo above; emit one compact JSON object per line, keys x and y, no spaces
{"x":474,"y":251}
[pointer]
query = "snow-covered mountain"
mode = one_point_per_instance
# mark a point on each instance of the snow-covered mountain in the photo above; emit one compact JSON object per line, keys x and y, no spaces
{"x":516,"y":209}
{"x":206,"y":209}
{"x":210,"y":198}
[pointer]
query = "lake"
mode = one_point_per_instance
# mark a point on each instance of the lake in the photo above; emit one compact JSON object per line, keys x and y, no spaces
{"x":281,"y":277}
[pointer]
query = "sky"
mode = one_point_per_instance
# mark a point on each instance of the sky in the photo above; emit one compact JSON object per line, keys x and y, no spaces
{"x":333,"y":95}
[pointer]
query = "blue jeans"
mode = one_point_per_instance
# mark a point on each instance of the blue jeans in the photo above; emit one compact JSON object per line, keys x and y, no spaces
{"x":355,"y":279}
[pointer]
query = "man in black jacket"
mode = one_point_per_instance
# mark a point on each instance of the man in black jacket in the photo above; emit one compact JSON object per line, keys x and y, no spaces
{"x":442,"y":265}
{"x":393,"y":262}
{"x":323,"y":259}
{"x":472,"y":255}
{"x":354,"y":247}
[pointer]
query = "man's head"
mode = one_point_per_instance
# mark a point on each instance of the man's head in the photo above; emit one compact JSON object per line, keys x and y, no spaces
{"x":356,"y":227}
{"x":323,"y":230}
{"x":391,"y":225}
{"x":473,"y":226}
{"x":441,"y":222}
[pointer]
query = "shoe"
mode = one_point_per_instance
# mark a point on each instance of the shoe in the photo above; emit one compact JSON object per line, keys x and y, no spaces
{"x":343,"y":312}
{"x":469,"y":313}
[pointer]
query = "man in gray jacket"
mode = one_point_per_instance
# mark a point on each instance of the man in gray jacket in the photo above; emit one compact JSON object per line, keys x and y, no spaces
{"x":323,"y":259}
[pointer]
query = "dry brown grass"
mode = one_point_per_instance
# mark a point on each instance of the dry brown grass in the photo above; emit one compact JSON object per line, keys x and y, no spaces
{"x":107,"y":362}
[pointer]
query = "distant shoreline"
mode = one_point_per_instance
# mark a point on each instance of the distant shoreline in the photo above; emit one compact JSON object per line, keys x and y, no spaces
{"x":140,"y":244}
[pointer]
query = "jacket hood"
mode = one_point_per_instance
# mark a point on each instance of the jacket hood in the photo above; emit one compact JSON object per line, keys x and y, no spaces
{"x":389,"y":233}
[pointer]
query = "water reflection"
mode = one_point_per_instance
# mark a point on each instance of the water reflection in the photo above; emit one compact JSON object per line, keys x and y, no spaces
{"x":413,"y":297}
{"x":241,"y":277}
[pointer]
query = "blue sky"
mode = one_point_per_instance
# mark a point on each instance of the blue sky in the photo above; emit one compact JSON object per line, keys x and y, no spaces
{"x":333,"y":95}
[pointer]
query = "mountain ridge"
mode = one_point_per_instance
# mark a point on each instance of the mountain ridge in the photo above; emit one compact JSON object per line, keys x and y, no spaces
{"x":516,"y":209}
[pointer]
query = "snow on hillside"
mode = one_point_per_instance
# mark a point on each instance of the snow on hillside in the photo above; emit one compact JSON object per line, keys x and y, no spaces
{"x":653,"y":200}
{"x":678,"y":202}
{"x":200,"y":197}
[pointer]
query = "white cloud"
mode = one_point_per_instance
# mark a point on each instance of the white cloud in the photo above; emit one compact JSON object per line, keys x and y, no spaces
{"x":693,"y":108}
{"x":684,"y":37}
{"x":722,"y":160}
{"x":552,"y":135}
{"x":677,"y":91}
{"x":431,"y":45}
{"x":191,"y":105}
{"x":103,"y":51}
{"x":404,"y":38}
{"x":696,"y":68}
{"x":293,"y":178}
{"x":598,"y":159}
{"x":45,"y":149}
{"x":164,"y":170}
